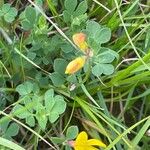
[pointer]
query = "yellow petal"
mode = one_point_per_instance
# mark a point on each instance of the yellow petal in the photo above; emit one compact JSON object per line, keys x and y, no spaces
{"x":75,"y":65}
{"x":80,"y":40}
{"x":96,"y":142}
{"x":83,"y":46}
{"x":85,"y":148}
{"x":81,"y":138}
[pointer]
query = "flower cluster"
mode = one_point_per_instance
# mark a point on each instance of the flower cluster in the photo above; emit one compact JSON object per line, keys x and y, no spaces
{"x":75,"y":65}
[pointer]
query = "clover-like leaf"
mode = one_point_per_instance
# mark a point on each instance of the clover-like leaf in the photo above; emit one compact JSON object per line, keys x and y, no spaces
{"x":52,"y":105}
{"x":25,"y":88}
{"x":70,"y":5}
{"x":49,"y":99}
{"x":72,"y":132}
{"x":60,"y":65}
{"x":53,"y":117}
{"x":28,"y":18}
{"x":108,"y":69}
{"x":9,"y":13}
{"x":8,"y":129}
{"x":41,"y":116}
{"x":97,"y":33}
{"x":81,"y":9}
{"x":6,"y":7}
{"x":57,"y":79}
{"x":72,"y":10}
{"x":30,"y":120}
{"x":12,"y":130}
{"x":59,"y":101}
{"x":21,"y":111}
{"x":97,"y":70}
{"x":30,"y":14}
{"x":105,"y":57}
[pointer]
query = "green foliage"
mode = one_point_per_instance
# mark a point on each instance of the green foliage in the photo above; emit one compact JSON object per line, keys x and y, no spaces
{"x":57,"y":79}
{"x":109,"y":97}
{"x":72,"y":132}
{"x":9,"y":145}
{"x":103,"y":61}
{"x":8,"y":129}
{"x":28,"y":18}
{"x":25,"y":88}
{"x":32,"y":108}
{"x":54,"y":110}
{"x":8,"y":13}
{"x":97,"y":35}
{"x":73,"y":10}
{"x":58,"y":76}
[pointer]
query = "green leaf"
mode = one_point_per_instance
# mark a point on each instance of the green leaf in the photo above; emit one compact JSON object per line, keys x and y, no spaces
{"x":57,"y":79}
{"x":35,"y":88}
{"x":13,"y":12}
{"x":108,"y":69}
{"x":99,"y":34}
{"x":27,"y":101}
{"x":66,"y":48}
{"x":81,"y":9}
{"x":31,"y":55}
{"x":26,"y":25}
{"x":59,"y":101}
{"x":9,"y":18}
{"x":97,"y":70}
{"x":29,"y":18}
{"x":92,"y":27}
{"x":42,"y":23}
{"x":79,"y":20}
{"x":67,"y":147}
{"x":30,"y":15}
{"x":105,"y":57}
{"x":67,"y":16}
{"x":104,"y":35}
{"x":6,"y":8}
{"x":21,"y":111}
{"x":1,"y":13}
{"x":56,"y":110}
{"x":4,"y":125}
{"x":53,"y":117}
{"x":8,"y":12}
{"x":41,"y":117}
{"x":72,"y":132}
{"x":70,"y":5}
{"x":72,"y":79}
{"x":25,"y":88}
{"x":13,"y":129}
{"x":10,"y":144}
{"x":60,"y":65}
{"x":49,"y":99}
{"x":30,"y":121}
{"x":57,"y":140}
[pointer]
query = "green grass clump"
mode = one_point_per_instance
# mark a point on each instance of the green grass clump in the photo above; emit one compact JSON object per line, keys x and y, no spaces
{"x":106,"y":92}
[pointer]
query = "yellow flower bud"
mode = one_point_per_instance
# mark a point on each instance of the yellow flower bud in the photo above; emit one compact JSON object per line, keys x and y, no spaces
{"x":80,"y":40}
{"x":75,"y":65}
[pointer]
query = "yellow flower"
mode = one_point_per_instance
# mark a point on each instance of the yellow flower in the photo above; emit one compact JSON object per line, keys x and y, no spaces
{"x":80,"y":40}
{"x":82,"y":142}
{"x":75,"y":65}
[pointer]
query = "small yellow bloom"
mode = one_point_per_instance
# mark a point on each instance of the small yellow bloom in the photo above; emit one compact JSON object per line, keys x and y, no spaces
{"x":80,"y":40}
{"x":75,"y":65}
{"x":82,"y":142}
